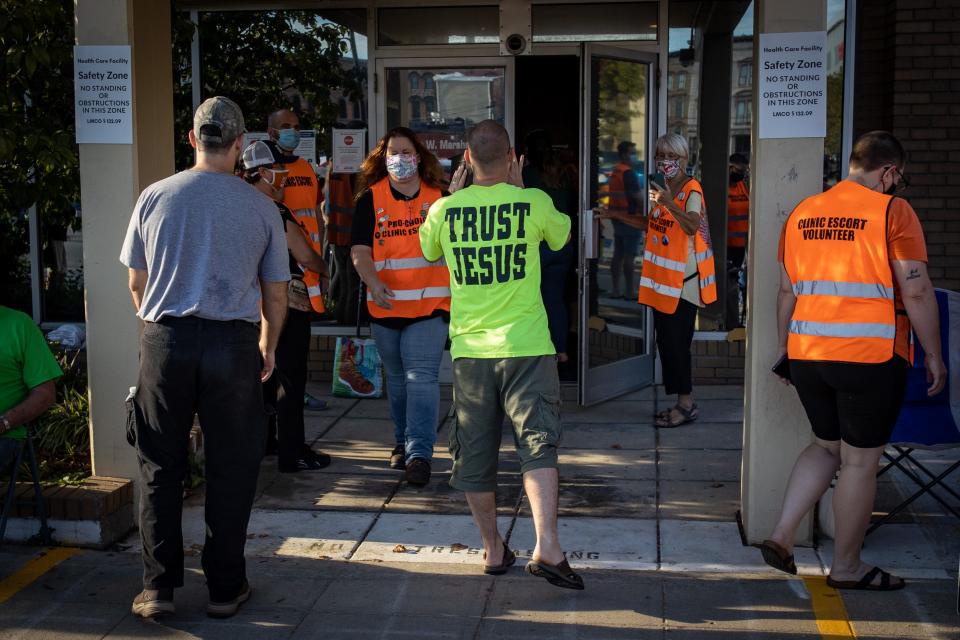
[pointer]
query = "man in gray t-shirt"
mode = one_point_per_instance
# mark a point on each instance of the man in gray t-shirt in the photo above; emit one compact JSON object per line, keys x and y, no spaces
{"x":206,"y":239}
{"x":207,"y":260}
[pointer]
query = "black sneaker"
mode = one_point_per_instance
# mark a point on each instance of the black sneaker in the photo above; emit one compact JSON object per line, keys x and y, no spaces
{"x":316,"y":457}
{"x":153,"y":602}
{"x":306,"y":464}
{"x":418,"y":472}
{"x":230,"y":607}
{"x":398,"y":457}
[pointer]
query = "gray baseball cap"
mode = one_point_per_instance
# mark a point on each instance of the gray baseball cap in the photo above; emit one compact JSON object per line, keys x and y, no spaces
{"x":218,"y":120}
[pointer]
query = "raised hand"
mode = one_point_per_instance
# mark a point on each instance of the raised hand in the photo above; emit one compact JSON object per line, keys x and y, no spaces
{"x":515,"y":170}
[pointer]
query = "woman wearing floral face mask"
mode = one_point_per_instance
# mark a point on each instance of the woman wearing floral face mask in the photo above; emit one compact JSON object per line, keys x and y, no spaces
{"x":408,"y":298}
{"x":678,"y":274}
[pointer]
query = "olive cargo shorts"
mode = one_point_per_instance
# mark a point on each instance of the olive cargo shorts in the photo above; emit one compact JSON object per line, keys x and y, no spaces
{"x":525,"y":389}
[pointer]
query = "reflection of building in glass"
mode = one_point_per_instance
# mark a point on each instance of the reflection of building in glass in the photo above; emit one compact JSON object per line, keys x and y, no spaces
{"x":835,"y":47}
{"x":741,"y":94}
{"x":621,"y":106}
{"x":833,"y":143}
{"x":441,"y":104}
{"x":347,"y":108}
{"x":683,"y":96}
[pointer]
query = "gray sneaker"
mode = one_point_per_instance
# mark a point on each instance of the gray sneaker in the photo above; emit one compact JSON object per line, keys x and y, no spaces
{"x":153,"y":602}
{"x":230,"y":607}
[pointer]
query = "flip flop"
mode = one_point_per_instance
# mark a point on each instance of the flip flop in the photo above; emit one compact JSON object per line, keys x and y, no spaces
{"x":560,"y":575}
{"x":866,"y":582}
{"x":689,"y":415}
{"x":509,"y":558}
{"x":777,"y":557}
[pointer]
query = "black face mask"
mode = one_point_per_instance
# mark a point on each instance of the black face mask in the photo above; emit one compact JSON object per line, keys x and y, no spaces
{"x":891,"y":190}
{"x":736,"y":176}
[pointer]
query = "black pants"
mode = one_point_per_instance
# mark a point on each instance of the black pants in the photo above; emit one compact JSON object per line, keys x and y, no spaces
{"x":674,"y":336}
{"x":344,"y":287}
{"x":290,"y":380}
{"x":194,"y":366}
{"x":856,"y":403}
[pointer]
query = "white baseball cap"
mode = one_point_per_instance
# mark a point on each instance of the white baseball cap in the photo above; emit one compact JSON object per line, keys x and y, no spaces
{"x":257,"y":154}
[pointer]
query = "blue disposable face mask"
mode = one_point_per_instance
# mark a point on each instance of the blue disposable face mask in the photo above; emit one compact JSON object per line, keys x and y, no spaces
{"x":289,"y":139}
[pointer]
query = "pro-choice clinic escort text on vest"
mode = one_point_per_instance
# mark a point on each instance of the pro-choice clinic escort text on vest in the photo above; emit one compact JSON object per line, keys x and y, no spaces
{"x":419,"y":287}
{"x":665,"y":256}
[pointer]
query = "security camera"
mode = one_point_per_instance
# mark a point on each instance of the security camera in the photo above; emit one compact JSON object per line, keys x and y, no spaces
{"x":516,"y":44}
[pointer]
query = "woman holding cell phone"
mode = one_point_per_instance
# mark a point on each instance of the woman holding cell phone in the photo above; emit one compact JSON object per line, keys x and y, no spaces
{"x":678,"y":275}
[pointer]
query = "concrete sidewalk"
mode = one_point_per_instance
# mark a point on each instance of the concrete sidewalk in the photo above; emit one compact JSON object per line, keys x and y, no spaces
{"x":648,"y":515}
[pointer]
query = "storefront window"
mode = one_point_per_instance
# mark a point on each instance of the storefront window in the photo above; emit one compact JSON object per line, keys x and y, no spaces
{"x":447,"y":25}
{"x":594,"y":22}
{"x":443,"y":111}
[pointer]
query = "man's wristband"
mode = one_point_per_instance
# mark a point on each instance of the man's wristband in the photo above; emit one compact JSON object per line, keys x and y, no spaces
{"x":6,"y":423}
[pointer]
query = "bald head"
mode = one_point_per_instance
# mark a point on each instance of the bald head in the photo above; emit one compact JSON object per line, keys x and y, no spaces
{"x":280,"y":117}
{"x":489,"y":144}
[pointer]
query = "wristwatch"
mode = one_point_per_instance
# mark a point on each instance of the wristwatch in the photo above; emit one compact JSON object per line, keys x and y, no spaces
{"x":6,"y":423}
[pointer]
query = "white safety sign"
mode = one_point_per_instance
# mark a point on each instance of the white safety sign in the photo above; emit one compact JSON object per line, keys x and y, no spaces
{"x":349,"y":149}
{"x":792,"y":91}
{"x":103,"y":90}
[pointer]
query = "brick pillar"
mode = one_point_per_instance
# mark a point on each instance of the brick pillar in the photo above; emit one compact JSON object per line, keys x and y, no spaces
{"x":908,"y":80}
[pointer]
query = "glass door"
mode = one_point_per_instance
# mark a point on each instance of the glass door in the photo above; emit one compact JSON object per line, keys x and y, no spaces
{"x":441,"y":99}
{"x":619,"y":120}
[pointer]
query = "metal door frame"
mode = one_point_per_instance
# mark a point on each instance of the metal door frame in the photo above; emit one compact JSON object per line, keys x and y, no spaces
{"x":607,"y":381}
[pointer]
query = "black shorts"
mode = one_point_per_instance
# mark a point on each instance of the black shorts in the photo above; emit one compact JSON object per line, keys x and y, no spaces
{"x":856,"y":403}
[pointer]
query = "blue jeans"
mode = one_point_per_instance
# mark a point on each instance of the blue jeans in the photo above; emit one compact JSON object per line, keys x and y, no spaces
{"x":411,"y":361}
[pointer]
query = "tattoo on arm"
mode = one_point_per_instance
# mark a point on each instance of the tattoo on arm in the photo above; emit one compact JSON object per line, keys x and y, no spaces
{"x":914,"y":274}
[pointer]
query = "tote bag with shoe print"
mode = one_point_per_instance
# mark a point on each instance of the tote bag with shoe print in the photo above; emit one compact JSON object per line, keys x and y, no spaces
{"x":357,"y":369}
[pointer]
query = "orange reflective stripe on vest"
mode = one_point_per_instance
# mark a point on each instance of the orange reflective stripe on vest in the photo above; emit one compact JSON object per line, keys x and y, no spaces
{"x":738,"y":215}
{"x":419,"y":287}
{"x":340,"y":209}
{"x":617,"y":190}
{"x":665,"y":256}
{"x":835,"y":252}
{"x":300,"y":194}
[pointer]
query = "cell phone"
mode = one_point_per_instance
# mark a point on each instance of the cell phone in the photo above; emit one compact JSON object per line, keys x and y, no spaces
{"x":658,"y":179}
{"x":782,"y":367}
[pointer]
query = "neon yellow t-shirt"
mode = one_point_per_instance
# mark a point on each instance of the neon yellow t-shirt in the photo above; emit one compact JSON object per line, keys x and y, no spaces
{"x":490,"y":237}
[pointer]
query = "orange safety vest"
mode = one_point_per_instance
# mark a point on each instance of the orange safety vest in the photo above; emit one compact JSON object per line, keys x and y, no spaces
{"x":340,"y":208}
{"x":665,"y":256}
{"x":835,"y":252}
{"x":300,"y":194}
{"x":617,"y":191}
{"x":738,"y":214}
{"x":419,"y":287}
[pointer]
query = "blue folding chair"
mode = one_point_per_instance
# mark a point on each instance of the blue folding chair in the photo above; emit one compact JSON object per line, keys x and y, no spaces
{"x":21,"y":448}
{"x":929,"y":423}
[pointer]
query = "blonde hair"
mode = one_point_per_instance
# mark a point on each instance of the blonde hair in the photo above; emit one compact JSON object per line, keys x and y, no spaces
{"x":673,"y":143}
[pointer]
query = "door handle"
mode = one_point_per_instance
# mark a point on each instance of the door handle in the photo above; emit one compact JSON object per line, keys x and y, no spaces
{"x":590,"y":236}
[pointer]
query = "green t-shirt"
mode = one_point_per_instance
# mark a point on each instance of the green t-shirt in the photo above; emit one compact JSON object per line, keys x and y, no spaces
{"x":25,"y":362}
{"x":490,"y":238}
